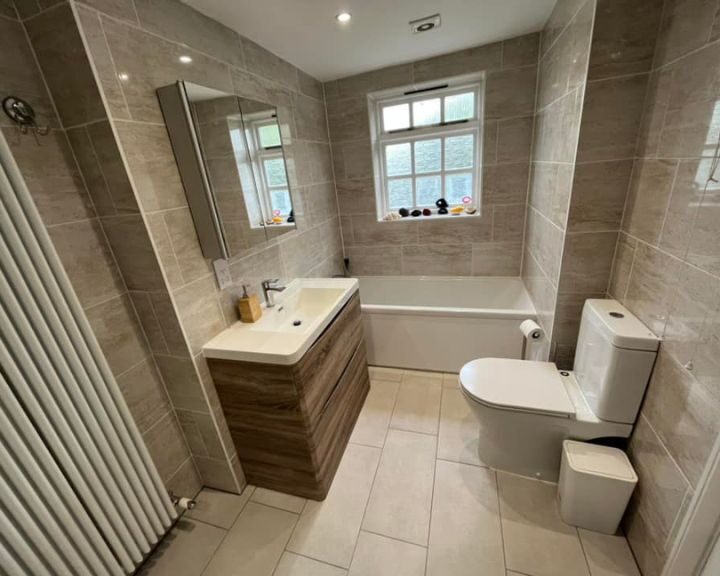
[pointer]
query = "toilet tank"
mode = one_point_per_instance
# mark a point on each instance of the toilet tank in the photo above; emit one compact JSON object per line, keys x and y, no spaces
{"x":614,"y":359}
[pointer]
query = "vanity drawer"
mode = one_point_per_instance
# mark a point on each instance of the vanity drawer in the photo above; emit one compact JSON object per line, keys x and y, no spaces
{"x":317,"y":374}
{"x":337,"y":418}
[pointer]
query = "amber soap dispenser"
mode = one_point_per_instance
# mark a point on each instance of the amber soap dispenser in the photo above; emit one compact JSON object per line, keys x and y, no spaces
{"x":249,"y":306}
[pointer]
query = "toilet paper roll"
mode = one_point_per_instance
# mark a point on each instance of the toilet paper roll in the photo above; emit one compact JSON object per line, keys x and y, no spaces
{"x":531,"y":330}
{"x":186,"y":503}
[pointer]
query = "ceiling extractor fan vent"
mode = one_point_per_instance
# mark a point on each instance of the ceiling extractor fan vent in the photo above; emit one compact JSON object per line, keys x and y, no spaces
{"x":425,"y":24}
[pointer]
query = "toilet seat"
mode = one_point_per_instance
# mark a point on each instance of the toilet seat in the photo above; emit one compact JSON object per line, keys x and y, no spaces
{"x":517,"y":385}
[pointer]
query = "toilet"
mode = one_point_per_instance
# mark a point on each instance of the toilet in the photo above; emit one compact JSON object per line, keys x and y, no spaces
{"x":527,"y":409}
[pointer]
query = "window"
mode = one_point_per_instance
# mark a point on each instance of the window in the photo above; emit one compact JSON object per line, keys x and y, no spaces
{"x":271,"y":163}
{"x":267,"y":161}
{"x":427,"y":145}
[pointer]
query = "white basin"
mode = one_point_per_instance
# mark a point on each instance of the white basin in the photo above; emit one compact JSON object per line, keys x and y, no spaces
{"x":286,"y":331}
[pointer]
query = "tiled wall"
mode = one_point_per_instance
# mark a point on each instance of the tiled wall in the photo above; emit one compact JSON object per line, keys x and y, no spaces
{"x":83,"y":211}
{"x":667,"y":271}
{"x":135,"y":49}
{"x":485,"y":246}
{"x":562,"y":76}
{"x":621,"y":53}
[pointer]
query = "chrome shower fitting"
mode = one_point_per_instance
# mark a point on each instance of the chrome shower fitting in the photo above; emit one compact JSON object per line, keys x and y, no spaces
{"x":20,"y":112}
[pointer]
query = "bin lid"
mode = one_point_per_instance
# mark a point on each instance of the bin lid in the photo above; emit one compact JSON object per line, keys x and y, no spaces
{"x":599,"y":460}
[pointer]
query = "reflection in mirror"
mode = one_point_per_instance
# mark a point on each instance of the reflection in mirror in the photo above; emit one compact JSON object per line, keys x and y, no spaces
{"x":236,"y":178}
{"x":265,"y":156}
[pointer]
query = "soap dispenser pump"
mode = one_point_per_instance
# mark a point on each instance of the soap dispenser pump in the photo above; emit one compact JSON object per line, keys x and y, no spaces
{"x":249,"y":306}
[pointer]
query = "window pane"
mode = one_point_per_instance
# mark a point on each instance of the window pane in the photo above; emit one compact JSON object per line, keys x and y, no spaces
{"x":275,"y":172}
{"x":428,"y":189}
{"x":457,"y":186}
{"x":459,"y":152}
{"x":426,"y":112}
{"x":460,"y":107}
{"x":427,"y":156}
{"x":396,"y":117}
{"x":397,"y":158}
{"x":269,"y":135}
{"x":399,"y":193}
{"x":280,"y":200}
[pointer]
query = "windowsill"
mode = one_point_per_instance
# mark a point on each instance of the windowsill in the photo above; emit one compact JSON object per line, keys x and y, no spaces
{"x":433,"y":217}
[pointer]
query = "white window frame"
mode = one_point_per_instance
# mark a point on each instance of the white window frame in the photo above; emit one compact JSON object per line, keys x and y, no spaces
{"x":380,"y":140}
{"x":257,"y":156}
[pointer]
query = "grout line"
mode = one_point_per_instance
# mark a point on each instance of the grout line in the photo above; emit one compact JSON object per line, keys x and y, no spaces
{"x":582,"y":547}
{"x":462,"y":463}
{"x":311,"y":558}
{"x":394,"y":538}
{"x":502,"y":528}
{"x":434,"y":478}
{"x":541,"y":54}
{"x":367,"y":503}
{"x":668,"y":203}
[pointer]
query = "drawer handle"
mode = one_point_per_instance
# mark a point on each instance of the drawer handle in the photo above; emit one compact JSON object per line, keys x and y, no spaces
{"x":337,"y":384}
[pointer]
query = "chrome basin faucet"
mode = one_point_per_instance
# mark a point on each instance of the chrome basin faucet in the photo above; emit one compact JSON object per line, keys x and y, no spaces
{"x":269,"y":287}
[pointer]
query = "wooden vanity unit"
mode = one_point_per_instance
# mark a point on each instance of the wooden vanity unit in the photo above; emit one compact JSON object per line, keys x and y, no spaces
{"x":290,"y":424}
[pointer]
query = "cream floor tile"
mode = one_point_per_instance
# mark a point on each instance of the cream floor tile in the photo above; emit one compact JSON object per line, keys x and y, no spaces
{"x":372,"y":424}
{"x":537,"y":541}
{"x":451,"y":381}
{"x":388,"y":374}
{"x":465,"y":533}
{"x":185,"y":551}
{"x":379,"y":556}
{"x":255,"y":543}
{"x":328,"y":530}
{"x":219,"y":508}
{"x":294,"y":565}
{"x":278,"y":500}
{"x":399,"y":504}
{"x":459,"y":429}
{"x":608,"y":555}
{"x":418,"y":404}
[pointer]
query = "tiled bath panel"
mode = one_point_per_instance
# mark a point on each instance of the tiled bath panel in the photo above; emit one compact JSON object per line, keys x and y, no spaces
{"x":410,"y":499}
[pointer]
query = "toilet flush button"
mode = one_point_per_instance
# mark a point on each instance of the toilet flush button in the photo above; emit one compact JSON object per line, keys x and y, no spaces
{"x":617,"y":315}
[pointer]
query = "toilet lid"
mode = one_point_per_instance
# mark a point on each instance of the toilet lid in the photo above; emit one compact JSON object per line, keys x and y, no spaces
{"x":520,"y":385}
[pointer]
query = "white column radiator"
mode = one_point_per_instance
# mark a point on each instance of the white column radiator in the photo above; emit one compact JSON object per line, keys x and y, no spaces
{"x":79,"y":494}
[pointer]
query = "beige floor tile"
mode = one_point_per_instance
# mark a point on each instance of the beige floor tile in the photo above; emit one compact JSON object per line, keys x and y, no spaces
{"x":254,"y":544}
{"x":372,"y":424}
{"x":328,"y":530}
{"x":219,"y":508}
{"x":399,"y":504}
{"x":465,"y":533}
{"x":608,"y":555}
{"x":418,"y":404}
{"x":459,"y":429}
{"x":451,"y":381}
{"x":278,"y":500}
{"x":537,"y":541}
{"x":388,"y":374}
{"x":185,"y":551}
{"x":379,"y":556}
{"x":294,"y":565}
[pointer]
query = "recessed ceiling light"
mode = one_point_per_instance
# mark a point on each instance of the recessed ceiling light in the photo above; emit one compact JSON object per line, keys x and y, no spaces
{"x":343,"y":17}
{"x":185,"y":59}
{"x":124,"y":76}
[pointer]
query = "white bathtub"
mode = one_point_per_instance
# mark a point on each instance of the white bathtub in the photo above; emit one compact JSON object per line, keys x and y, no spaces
{"x":433,"y":323}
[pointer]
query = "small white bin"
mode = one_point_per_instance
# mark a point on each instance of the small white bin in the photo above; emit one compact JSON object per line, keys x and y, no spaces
{"x":596,"y":483}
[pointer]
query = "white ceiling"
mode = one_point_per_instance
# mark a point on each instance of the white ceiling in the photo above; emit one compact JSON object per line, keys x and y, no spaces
{"x":306,"y":33}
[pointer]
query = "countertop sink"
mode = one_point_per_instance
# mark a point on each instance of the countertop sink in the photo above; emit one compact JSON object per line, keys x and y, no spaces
{"x":286,"y":331}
